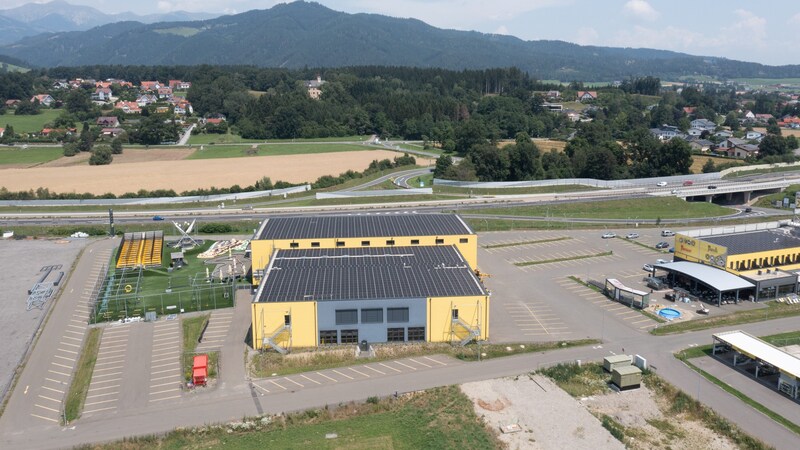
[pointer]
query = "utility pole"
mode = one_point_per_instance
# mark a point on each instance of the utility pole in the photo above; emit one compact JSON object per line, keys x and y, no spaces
{"x":111,"y":222}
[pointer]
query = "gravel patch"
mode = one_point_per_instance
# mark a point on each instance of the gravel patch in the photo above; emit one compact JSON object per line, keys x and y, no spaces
{"x":549,"y":418}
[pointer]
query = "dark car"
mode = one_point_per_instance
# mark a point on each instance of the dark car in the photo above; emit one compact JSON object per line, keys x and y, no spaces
{"x":662,"y":245}
{"x":158,"y":218}
{"x":711,"y":186}
{"x":747,"y":210}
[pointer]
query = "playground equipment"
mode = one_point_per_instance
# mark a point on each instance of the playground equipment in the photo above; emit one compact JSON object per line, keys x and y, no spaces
{"x":186,"y":241}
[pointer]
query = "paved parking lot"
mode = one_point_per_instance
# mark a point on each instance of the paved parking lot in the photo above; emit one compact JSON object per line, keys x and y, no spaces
{"x":219,"y":325}
{"x":352,"y":373}
{"x":539,"y":302}
{"x":104,"y":389}
{"x":165,"y":361}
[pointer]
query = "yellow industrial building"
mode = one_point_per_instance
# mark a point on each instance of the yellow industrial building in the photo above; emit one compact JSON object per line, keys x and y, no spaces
{"x":768,"y":257}
{"x":380,"y":292}
{"x":361,"y":231}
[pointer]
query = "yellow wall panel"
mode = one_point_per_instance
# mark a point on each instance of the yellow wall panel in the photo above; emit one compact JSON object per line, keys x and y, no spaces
{"x":267,"y":318}
{"x":472,"y":310}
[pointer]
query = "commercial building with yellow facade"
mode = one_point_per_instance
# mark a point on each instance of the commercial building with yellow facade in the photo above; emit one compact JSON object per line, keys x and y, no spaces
{"x":382,"y":293}
{"x":360,"y":231}
{"x":767,"y":257}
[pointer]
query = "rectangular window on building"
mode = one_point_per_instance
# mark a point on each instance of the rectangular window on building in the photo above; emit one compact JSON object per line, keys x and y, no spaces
{"x":340,"y":243}
{"x":415,"y":242}
{"x":327,"y":337}
{"x":294,"y":245}
{"x":397,"y":315}
{"x":416,"y":334}
{"x":439,"y":241}
{"x":390,"y":242}
{"x":346,"y":316}
{"x":315,"y":245}
{"x":365,"y":243}
{"x":463,"y":240}
{"x":395,"y":335}
{"x":349,"y":337}
{"x":372,"y":315}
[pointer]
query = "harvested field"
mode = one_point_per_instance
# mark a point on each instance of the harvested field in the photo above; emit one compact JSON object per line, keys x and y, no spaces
{"x":120,"y":178}
{"x":784,"y":131}
{"x":137,"y":155}
{"x":698,"y":161}
{"x":544,"y":145}
{"x":69,"y":161}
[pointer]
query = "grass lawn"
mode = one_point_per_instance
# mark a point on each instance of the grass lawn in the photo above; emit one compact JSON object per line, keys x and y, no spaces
{"x":514,"y":190}
{"x":745,"y":173}
{"x":192,"y":327}
{"x":636,"y":208}
{"x":774,"y":310}
{"x":768,"y":201}
{"x":366,"y":200}
{"x":76,"y":396}
{"x":30,"y":155}
{"x":197,"y":139}
{"x":440,"y":418}
{"x":29,"y":124}
{"x":237,"y":151}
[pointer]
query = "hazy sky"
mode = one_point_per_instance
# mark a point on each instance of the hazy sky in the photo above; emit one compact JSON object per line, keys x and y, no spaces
{"x":764,"y":32}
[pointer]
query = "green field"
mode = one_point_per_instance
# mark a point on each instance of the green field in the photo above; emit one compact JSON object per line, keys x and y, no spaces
{"x":637,"y":208}
{"x":200,"y":139}
{"x":114,"y":303}
{"x":238,"y":151}
{"x":31,"y":155}
{"x":29,"y":124}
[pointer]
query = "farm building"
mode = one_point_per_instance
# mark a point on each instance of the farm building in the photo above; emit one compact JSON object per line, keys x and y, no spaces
{"x":334,"y":295}
{"x":361,"y":231}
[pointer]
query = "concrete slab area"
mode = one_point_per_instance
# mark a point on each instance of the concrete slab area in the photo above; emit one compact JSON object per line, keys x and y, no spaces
{"x":164,"y":377}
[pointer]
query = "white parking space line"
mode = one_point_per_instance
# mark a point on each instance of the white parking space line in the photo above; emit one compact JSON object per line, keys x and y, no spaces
{"x":276,"y":384}
{"x":374,"y":370}
{"x":340,"y":373}
{"x":45,"y":418}
{"x":102,"y":395}
{"x":94,"y":388}
{"x":58,"y":373}
{"x":166,"y":390}
{"x":359,"y":372}
{"x":47,"y":408}
{"x":325,"y":376}
{"x":405,"y":365}
{"x":164,"y":398}
{"x":51,"y":399}
{"x":310,"y":379}
{"x":420,"y":363}
{"x":161,"y":384}
{"x":51,"y":389}
{"x":99,"y":410}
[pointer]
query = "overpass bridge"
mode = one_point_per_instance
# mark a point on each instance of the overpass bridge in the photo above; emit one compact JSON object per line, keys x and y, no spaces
{"x":710,"y":190}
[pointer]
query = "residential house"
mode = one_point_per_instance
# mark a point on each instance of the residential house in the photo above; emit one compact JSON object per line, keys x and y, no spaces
{"x":701,"y":145}
{"x":215,"y":120}
{"x":743,"y":151}
{"x":724,"y":134}
{"x":102,"y":94}
{"x":314,"y":87}
{"x":60,"y":84}
{"x":665,"y":132}
{"x":587,"y":96}
{"x":12,"y":102}
{"x":178,"y":85}
{"x":789,"y":122}
{"x":128,"y":107}
{"x":573,"y":116}
{"x":149,"y":86}
{"x":164,"y":93}
{"x":553,"y":95}
{"x":162,"y":109}
{"x":112,"y":132}
{"x":732,"y":142}
{"x":763,"y":118}
{"x":703,"y":124}
{"x":748,"y":115}
{"x":183,"y":108}
{"x":146,"y":99}
{"x":107,"y":122}
{"x":102,"y":84}
{"x":695,"y":131}
{"x":43,"y":99}
{"x":753,"y":136}
{"x":689,"y":110}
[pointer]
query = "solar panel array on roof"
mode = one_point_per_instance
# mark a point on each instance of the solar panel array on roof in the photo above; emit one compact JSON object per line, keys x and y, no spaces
{"x":368,"y":273}
{"x":377,"y":225}
{"x":756,"y":241}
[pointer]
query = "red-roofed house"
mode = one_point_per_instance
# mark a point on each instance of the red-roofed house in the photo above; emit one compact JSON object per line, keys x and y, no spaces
{"x":689,"y":110}
{"x":587,"y":96}
{"x":43,"y":99}
{"x":165,"y":92}
{"x":764,"y":117}
{"x":178,"y":85}
{"x":102,"y":84}
{"x":150,"y":85}
{"x":112,"y":132}
{"x":215,"y":121}
{"x":128,"y":107}
{"x":2,"y":132}
{"x":183,"y":108}
{"x":102,"y":94}
{"x":12,"y":103}
{"x":107,"y":122}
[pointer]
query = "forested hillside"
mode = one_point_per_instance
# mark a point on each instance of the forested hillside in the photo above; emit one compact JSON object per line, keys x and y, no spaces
{"x":303,"y":34}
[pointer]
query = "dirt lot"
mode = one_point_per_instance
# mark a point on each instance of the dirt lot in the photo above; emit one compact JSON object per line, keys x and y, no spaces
{"x":548,"y":416}
{"x":193,"y":174}
{"x":784,"y":131}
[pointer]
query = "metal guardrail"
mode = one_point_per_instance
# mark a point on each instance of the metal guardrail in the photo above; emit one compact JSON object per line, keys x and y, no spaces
{"x":375,"y":193}
{"x":579,"y":181}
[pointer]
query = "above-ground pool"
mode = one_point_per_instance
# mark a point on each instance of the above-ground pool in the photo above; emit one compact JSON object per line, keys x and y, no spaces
{"x":669,"y":313}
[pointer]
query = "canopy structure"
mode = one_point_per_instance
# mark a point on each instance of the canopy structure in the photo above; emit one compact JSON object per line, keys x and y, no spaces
{"x":755,"y":348}
{"x":716,"y":279}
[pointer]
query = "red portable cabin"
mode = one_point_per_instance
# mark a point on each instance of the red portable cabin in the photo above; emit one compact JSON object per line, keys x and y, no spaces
{"x":199,"y":375}
{"x":200,"y":361}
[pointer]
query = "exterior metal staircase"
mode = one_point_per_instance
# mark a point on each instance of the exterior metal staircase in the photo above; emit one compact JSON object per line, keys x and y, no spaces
{"x":463,"y":331}
{"x":282,"y":334}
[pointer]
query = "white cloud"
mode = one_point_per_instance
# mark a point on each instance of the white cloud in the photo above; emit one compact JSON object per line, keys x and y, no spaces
{"x":640,"y":9}
{"x":501,"y":30}
{"x":794,"y":20}
{"x":586,"y":36}
{"x":750,"y":29}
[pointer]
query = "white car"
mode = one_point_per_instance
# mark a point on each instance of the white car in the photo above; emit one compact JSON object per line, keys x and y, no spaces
{"x":632,"y":236}
{"x":609,"y":235}
{"x":662,"y":261}
{"x":661,"y":183}
{"x":647,"y":267}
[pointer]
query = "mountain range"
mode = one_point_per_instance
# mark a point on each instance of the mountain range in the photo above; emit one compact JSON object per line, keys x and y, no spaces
{"x":303,"y":34}
{"x":56,"y":16}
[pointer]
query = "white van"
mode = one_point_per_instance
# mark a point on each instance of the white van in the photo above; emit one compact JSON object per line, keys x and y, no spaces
{"x":667,"y":233}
